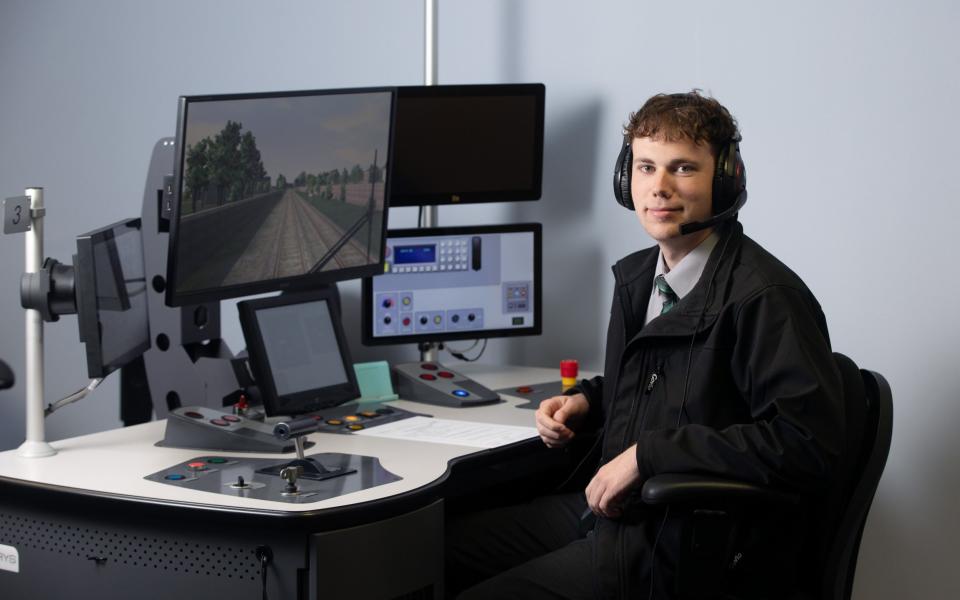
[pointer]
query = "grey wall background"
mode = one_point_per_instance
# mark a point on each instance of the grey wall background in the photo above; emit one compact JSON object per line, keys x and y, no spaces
{"x":850,"y":138}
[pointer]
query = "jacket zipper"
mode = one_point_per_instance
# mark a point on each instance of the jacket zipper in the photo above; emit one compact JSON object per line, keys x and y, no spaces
{"x":652,"y":380}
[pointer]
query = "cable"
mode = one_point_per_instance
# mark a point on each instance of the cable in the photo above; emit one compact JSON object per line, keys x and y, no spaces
{"x":696,"y":329}
{"x":686,"y":387}
{"x":265,"y":555}
{"x":77,"y":395}
{"x":461,"y":356}
{"x":653,"y":553}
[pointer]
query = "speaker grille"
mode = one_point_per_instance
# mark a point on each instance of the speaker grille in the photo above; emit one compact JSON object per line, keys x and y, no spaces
{"x":148,"y":552}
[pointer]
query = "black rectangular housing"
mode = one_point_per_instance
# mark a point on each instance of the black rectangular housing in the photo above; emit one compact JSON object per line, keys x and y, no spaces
{"x":298,"y":351}
{"x":111,"y":292}
{"x":460,"y":144}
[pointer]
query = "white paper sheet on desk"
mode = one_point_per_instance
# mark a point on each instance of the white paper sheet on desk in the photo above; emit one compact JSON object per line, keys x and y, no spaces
{"x":449,"y":431}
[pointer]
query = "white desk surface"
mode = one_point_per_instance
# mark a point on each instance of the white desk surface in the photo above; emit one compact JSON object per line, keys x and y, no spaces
{"x":114,"y":463}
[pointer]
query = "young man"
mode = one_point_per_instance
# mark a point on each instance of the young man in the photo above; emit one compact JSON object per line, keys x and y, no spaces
{"x":718,"y":362}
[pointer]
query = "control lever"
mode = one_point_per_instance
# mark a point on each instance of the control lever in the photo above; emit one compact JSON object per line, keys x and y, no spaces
{"x":308,"y":468}
{"x":290,"y":475}
{"x":296,"y":430}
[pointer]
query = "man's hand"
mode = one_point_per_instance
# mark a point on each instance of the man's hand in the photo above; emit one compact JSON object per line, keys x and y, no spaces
{"x":559,"y":416}
{"x":608,"y":487}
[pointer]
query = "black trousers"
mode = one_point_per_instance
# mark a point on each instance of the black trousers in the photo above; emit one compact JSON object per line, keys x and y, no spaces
{"x":539,"y":549}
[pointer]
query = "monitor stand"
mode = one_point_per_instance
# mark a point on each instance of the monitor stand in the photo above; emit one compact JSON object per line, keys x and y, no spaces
{"x":430,"y":382}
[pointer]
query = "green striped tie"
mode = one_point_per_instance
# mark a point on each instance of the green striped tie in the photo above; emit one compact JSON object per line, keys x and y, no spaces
{"x":670,"y":298}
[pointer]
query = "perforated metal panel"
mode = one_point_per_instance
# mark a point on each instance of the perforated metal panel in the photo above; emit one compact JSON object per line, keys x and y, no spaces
{"x":148,"y":552}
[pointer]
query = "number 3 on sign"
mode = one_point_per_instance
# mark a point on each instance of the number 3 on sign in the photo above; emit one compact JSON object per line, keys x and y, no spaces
{"x":16,"y":214}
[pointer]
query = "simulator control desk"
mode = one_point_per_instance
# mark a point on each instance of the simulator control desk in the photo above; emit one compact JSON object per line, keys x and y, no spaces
{"x":87,"y":522}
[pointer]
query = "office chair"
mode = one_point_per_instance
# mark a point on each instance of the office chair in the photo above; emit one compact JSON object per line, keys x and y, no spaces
{"x":6,"y":376}
{"x":714,"y":511}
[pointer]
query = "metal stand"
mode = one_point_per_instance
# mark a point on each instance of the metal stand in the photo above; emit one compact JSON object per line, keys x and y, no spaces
{"x":36,"y":445}
{"x":429,"y":352}
{"x":188,"y":364}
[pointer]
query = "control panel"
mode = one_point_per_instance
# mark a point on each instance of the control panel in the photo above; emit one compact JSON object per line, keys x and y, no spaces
{"x":433,"y":383}
{"x":454,"y":286}
{"x":210,"y":429}
{"x":273,"y":479}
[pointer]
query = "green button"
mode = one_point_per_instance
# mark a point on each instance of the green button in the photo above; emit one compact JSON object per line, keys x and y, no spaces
{"x":216,"y":461}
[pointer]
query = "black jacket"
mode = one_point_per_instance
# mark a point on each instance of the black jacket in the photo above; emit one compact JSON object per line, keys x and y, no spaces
{"x":747,"y":356}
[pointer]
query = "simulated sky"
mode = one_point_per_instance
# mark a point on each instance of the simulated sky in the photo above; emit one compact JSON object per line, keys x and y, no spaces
{"x":302,"y":133}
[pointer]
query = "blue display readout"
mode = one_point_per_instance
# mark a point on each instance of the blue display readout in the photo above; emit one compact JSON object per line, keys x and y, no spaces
{"x":423,"y":253}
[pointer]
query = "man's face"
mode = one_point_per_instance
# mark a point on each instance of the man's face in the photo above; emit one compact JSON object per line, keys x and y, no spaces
{"x":672,"y":184}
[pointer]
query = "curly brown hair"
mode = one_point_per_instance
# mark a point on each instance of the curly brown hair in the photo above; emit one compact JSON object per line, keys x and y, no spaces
{"x":686,"y":116}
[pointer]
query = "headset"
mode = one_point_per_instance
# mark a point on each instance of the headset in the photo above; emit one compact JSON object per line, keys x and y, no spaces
{"x":729,"y":184}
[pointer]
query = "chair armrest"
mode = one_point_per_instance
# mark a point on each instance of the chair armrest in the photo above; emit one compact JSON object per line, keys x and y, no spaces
{"x":673,"y":488}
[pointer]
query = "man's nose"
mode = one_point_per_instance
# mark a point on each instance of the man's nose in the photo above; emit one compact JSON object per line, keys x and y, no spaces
{"x":662,"y":184}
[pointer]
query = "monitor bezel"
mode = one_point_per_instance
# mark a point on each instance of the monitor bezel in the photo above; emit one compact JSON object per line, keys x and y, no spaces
{"x":367,"y":337}
{"x":537,"y":90}
{"x":305,"y":401}
{"x":88,"y":309}
{"x":174,"y":297}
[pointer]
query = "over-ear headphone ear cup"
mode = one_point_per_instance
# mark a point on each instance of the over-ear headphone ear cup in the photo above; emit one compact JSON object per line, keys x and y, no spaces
{"x":621,"y":176}
{"x":729,"y":178}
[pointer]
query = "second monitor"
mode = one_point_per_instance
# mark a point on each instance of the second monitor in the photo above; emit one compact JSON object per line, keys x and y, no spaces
{"x":453,"y":283}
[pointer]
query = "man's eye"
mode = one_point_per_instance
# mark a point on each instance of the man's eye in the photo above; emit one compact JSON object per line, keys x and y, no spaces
{"x":684,"y":169}
{"x":645,"y":168}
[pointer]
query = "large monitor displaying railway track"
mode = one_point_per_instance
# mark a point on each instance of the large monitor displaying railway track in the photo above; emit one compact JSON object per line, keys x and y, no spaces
{"x":278,"y":191}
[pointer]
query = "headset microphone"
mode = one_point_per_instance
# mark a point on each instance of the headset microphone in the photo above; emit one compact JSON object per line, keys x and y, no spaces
{"x":731,"y":212}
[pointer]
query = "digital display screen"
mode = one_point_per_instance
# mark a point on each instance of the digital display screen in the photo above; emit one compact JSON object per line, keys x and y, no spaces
{"x":301,"y":347}
{"x":468,"y":143}
{"x":112,"y":296}
{"x":297,"y":352}
{"x":404,"y":255}
{"x":273,"y":188}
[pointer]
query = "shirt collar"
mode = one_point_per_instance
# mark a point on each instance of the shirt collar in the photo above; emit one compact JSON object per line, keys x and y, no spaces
{"x":687,"y":272}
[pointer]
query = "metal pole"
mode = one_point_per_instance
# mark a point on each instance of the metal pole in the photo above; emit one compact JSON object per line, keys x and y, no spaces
{"x":430,"y":42}
{"x":35,"y":445}
{"x":430,"y":76}
{"x":431,"y":213}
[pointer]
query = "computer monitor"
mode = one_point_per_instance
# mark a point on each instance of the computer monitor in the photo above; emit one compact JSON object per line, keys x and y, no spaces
{"x":297,"y":352}
{"x":468,"y":143}
{"x":278,"y":191}
{"x":453,"y":283}
{"x":111,"y":296}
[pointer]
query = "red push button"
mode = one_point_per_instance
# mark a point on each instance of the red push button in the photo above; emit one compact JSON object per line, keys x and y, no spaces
{"x":231,"y":418}
{"x":427,"y":376}
{"x":193,"y":414}
{"x":428,"y":367}
{"x":445,"y":374}
{"x":219,"y":422}
{"x":524,"y":389}
{"x":197,"y":466}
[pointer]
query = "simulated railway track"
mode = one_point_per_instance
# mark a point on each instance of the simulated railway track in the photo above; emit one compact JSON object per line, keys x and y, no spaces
{"x":291,"y":240}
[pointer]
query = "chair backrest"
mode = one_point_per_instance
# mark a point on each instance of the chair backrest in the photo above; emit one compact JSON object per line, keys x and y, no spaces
{"x":869,"y":416}
{"x":6,"y":376}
